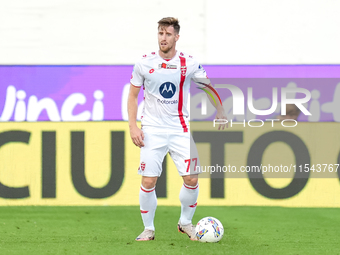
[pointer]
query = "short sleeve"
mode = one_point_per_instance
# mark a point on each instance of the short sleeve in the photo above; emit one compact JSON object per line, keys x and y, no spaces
{"x":137,"y":78}
{"x":200,"y":76}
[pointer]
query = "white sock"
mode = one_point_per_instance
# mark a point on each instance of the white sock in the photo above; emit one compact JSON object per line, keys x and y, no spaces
{"x":148,"y":205}
{"x":188,"y":197}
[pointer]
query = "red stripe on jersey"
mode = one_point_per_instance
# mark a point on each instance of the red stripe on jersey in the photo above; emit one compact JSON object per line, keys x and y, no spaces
{"x":147,"y":191}
{"x":190,"y":187}
{"x":144,"y":211}
{"x":194,"y":205}
{"x":180,"y":101}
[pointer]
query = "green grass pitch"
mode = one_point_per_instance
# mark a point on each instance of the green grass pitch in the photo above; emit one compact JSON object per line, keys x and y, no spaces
{"x":112,"y":230}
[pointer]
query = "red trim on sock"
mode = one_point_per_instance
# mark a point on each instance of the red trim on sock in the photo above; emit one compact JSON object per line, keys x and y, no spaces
{"x":144,"y":211}
{"x":194,"y":205}
{"x":190,"y":187}
{"x":147,"y":191}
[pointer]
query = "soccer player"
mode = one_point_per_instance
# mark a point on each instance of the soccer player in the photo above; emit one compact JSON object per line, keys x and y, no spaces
{"x":165,"y":77}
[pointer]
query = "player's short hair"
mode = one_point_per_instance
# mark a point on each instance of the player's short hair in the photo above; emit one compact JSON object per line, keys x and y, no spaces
{"x":169,"y":21}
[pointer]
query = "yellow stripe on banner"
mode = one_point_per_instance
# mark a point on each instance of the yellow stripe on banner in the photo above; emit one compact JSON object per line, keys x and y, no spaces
{"x":95,"y":163}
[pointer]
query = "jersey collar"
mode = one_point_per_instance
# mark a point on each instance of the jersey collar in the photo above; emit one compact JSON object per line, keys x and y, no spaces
{"x":167,"y":60}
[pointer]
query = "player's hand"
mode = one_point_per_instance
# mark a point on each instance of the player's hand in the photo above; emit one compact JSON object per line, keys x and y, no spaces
{"x":222,"y":116}
{"x":137,"y":136}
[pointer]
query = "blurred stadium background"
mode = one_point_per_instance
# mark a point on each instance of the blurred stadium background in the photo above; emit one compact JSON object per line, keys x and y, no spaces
{"x":65,"y":68}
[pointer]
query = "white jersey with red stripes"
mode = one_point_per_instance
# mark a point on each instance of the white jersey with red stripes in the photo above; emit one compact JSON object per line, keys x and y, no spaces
{"x":166,"y":86}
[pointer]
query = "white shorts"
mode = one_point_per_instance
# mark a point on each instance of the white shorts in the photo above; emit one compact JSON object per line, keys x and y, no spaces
{"x":180,"y":146}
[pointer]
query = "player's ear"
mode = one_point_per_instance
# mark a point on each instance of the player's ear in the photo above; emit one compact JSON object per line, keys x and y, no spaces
{"x":176,"y":37}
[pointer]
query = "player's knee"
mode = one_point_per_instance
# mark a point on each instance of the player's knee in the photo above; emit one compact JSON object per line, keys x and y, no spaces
{"x":190,"y":180}
{"x":149,"y":182}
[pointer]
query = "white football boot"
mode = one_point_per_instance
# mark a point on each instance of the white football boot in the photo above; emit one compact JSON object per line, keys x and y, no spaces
{"x":187,"y":229}
{"x":146,"y":235}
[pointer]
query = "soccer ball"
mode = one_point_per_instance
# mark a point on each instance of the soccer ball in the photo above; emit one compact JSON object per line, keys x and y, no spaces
{"x":209,"y":230}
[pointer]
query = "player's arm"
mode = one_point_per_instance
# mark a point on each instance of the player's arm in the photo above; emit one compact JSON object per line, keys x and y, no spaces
{"x":215,"y":100}
{"x":136,"y":133}
{"x":201,"y":79}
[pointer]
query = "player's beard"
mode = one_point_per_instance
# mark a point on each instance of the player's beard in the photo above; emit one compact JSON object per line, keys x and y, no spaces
{"x":166,"y":49}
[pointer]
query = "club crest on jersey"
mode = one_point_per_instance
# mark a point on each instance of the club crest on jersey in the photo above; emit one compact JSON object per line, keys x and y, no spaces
{"x":167,"y":89}
{"x":167,"y":66}
{"x":142,"y":166}
{"x":183,"y":70}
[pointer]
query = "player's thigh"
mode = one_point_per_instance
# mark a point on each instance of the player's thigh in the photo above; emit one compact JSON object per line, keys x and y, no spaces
{"x":152,"y":154}
{"x":184,"y":153}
